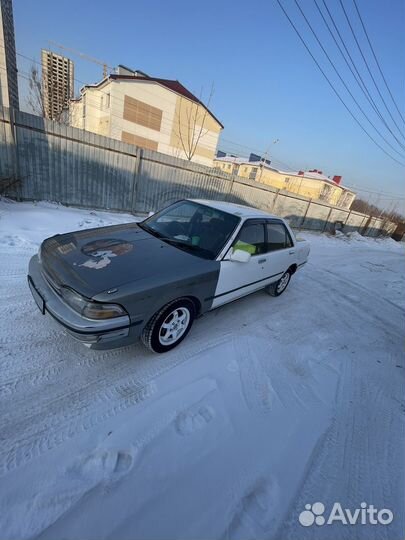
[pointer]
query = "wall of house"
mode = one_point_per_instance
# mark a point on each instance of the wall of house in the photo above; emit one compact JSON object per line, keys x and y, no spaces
{"x":301,"y":185}
{"x":158,"y":103}
{"x":151,"y":116}
{"x":194,"y":132}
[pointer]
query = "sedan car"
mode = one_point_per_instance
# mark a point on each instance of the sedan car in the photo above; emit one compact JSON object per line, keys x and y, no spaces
{"x":111,"y":285}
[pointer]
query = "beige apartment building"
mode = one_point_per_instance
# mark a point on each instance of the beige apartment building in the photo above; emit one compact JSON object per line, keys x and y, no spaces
{"x":312,"y":184}
{"x":157,"y":114}
{"x":57,"y":83}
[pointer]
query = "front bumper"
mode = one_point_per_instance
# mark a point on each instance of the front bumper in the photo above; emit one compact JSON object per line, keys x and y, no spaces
{"x":103,"y":334}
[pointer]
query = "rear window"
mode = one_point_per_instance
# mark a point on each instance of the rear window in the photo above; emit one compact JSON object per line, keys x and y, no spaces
{"x":278,"y":237}
{"x":251,"y":238}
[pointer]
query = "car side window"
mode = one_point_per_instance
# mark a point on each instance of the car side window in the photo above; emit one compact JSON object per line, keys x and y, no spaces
{"x":278,"y":237}
{"x":251,"y":238}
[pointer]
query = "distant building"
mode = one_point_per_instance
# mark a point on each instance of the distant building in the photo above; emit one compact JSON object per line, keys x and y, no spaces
{"x":57,"y":83}
{"x":157,"y":114}
{"x":8,"y":62}
{"x":312,"y":184}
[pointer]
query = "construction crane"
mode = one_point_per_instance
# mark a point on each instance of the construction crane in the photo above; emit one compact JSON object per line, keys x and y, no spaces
{"x":84,"y":56}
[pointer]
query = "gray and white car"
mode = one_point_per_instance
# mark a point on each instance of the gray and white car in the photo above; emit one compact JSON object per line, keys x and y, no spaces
{"x":111,"y":285}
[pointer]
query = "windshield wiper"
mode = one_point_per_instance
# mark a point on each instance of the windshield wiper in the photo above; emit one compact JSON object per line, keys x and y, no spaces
{"x":178,"y":242}
{"x":150,"y":230}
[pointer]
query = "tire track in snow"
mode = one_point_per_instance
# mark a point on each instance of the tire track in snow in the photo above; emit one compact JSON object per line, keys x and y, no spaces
{"x":361,"y":287}
{"x":352,"y":463}
{"x":52,"y":423}
{"x":390,"y":324}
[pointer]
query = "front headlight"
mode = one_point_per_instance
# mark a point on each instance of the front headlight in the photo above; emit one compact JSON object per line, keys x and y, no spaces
{"x":90,"y":309}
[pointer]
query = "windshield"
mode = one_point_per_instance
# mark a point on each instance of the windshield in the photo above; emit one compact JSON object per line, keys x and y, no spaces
{"x":193,"y":227}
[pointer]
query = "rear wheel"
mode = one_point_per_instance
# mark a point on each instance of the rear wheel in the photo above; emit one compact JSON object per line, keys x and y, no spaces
{"x":277,"y":288}
{"x":169,"y":326}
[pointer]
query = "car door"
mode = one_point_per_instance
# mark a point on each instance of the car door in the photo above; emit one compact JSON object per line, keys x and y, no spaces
{"x":236,"y":279}
{"x":280,"y":249}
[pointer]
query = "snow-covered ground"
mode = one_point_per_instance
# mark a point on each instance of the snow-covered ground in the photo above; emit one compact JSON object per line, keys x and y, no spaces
{"x":268,"y":405}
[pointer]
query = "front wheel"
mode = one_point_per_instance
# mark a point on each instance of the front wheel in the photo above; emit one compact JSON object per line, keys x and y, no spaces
{"x":169,"y":326}
{"x":277,"y":288}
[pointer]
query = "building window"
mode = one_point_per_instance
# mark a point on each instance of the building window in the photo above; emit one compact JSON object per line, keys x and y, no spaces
{"x":105,"y":101}
{"x":253,"y":173}
{"x":228,"y":166}
{"x":141,"y":113}
{"x":130,"y":138}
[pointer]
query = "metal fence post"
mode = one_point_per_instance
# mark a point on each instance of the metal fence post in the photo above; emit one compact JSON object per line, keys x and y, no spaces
{"x":275,"y":200}
{"x":13,"y":128}
{"x":231,"y":182}
{"x":137,"y":170}
{"x":305,"y":215}
{"x":327,"y":220}
{"x":347,"y":218}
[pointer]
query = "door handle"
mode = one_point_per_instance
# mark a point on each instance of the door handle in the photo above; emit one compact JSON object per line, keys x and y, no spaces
{"x":261,"y":261}
{"x":292,"y":252}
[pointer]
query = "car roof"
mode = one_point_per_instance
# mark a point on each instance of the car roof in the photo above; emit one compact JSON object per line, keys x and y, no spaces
{"x":236,"y":209}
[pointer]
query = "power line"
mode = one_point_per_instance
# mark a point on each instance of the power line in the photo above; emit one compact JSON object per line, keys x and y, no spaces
{"x":388,"y":196}
{"x":344,"y":83}
{"x":376,"y":60}
{"x":256,"y":151}
{"x":226,"y":140}
{"x":354,"y":71}
{"x":334,"y":90}
{"x":368,"y":67}
{"x":168,"y":123}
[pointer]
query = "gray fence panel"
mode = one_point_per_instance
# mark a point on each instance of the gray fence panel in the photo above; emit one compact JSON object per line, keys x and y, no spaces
{"x":291,"y":208}
{"x":375,"y":227}
{"x":316,"y":217}
{"x":75,"y":167}
{"x":245,"y":192}
{"x":163,"y":180}
{"x":7,"y":150}
{"x":72,"y":166}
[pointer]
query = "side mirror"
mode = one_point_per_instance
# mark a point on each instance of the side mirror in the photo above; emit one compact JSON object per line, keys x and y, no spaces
{"x":239,"y":255}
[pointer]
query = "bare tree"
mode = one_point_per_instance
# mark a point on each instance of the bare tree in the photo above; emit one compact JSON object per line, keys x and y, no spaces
{"x":190,"y":129}
{"x":365,"y":207}
{"x":35,"y":98}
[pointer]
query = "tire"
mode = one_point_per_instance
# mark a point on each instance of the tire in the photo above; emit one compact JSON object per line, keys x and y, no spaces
{"x":277,"y":288}
{"x":159,"y":338}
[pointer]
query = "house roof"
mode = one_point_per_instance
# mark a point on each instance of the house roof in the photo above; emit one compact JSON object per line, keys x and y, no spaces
{"x":244,"y":161}
{"x":174,"y":86}
{"x":314,"y":175}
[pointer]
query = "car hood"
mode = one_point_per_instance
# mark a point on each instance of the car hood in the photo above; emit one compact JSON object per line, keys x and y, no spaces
{"x":95,"y":260}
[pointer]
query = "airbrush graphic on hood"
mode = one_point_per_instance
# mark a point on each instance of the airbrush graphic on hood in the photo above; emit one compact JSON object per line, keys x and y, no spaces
{"x":102,"y":251}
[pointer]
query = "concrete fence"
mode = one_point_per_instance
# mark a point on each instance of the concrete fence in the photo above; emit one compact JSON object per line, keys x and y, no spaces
{"x":59,"y":163}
